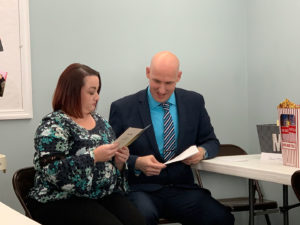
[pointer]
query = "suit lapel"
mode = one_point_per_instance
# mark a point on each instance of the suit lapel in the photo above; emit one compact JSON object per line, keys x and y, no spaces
{"x":146,"y":118}
{"x":181,"y":110}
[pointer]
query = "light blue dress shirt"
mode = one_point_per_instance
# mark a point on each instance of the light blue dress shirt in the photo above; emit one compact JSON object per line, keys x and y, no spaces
{"x":157,"y":114}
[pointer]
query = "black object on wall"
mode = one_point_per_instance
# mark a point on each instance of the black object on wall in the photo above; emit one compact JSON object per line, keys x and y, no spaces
{"x":1,"y":47}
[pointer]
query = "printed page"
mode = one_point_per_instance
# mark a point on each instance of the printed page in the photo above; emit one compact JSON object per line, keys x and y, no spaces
{"x":185,"y":154}
{"x":130,"y":135}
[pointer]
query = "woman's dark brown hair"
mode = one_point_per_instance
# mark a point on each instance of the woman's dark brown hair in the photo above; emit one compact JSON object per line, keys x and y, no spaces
{"x":67,"y":95}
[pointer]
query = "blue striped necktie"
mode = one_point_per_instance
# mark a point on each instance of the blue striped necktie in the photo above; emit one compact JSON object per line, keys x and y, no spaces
{"x":169,"y":133}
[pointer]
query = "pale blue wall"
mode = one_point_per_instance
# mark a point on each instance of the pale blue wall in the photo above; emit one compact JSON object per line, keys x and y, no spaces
{"x":221,"y":45}
{"x":273,"y":62}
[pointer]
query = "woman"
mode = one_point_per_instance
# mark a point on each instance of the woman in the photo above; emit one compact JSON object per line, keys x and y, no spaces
{"x":80,"y":173}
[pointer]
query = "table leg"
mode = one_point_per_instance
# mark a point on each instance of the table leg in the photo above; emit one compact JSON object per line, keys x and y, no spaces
{"x":285,"y":204}
{"x":251,"y":202}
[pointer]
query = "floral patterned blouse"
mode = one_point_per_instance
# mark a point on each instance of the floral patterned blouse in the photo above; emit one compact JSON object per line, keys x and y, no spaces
{"x":64,"y":160}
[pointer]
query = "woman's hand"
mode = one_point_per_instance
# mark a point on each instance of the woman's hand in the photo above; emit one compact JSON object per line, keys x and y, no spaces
{"x":104,"y":153}
{"x":121,"y":157}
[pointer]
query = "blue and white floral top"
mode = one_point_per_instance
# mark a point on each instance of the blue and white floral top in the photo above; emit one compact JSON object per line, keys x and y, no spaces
{"x":64,"y":160}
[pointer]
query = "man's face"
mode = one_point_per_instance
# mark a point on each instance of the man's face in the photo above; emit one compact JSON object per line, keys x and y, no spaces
{"x":162,"y":82}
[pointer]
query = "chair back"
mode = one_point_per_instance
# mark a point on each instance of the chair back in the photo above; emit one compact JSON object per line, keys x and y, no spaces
{"x":22,"y":181}
{"x":229,"y":149}
{"x":295,"y":180}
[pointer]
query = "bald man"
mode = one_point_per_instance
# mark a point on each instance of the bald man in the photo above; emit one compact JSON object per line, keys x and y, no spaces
{"x":156,"y":189}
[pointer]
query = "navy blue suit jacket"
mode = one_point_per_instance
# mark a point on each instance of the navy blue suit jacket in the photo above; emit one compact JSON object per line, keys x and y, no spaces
{"x":194,"y":129}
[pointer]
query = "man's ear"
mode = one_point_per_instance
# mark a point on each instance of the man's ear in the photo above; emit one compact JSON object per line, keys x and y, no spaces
{"x":148,"y":72}
{"x":179,"y":75}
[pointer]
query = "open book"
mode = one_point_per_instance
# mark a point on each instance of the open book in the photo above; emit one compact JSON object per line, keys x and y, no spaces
{"x":130,"y":135}
{"x":184,"y":155}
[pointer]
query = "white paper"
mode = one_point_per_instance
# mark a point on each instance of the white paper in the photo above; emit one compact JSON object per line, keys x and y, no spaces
{"x":271,"y":156}
{"x":233,"y":158}
{"x":185,"y":154}
{"x":129,"y":136}
{"x":2,"y":162}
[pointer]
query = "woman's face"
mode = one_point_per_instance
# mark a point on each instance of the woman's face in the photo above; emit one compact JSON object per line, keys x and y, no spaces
{"x":89,"y":94}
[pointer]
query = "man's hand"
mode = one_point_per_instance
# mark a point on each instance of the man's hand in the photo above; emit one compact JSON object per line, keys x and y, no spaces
{"x":149,"y":165}
{"x":195,"y":158}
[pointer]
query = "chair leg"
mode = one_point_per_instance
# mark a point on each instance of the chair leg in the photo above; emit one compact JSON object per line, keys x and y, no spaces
{"x":268,"y":219}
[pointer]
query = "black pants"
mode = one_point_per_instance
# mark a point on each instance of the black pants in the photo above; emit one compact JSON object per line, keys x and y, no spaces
{"x":114,"y":209}
{"x":187,"y":206}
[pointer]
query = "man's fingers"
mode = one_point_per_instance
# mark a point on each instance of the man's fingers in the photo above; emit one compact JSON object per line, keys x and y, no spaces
{"x":152,"y":172}
{"x":187,"y":161}
{"x":155,"y":164}
{"x":158,"y":166}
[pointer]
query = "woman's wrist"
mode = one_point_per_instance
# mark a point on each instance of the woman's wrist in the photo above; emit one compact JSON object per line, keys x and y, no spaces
{"x":119,"y":165}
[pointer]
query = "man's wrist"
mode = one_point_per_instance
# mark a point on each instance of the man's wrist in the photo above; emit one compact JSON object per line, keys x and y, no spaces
{"x":205,"y":153}
{"x":137,"y":172}
{"x":205,"y":156}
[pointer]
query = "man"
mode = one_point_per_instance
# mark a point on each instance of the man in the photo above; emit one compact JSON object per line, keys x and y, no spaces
{"x":179,"y":120}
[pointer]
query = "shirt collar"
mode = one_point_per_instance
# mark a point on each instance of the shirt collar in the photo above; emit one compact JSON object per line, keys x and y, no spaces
{"x":153,"y":103}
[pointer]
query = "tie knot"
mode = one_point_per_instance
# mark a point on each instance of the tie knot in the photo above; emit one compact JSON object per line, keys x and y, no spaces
{"x":165,"y":105}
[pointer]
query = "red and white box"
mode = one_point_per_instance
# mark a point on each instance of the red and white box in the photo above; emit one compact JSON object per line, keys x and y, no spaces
{"x":289,"y":130}
{"x":4,"y":74}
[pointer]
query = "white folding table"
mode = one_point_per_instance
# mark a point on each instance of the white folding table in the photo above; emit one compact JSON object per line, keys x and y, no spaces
{"x":252,"y":167}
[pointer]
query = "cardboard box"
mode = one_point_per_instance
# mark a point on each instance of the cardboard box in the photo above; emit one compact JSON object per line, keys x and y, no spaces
{"x":289,"y":131}
{"x":269,"y":141}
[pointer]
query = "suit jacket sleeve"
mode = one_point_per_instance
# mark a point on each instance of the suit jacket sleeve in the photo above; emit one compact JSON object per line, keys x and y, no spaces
{"x":194,"y":123}
{"x":206,"y":137}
